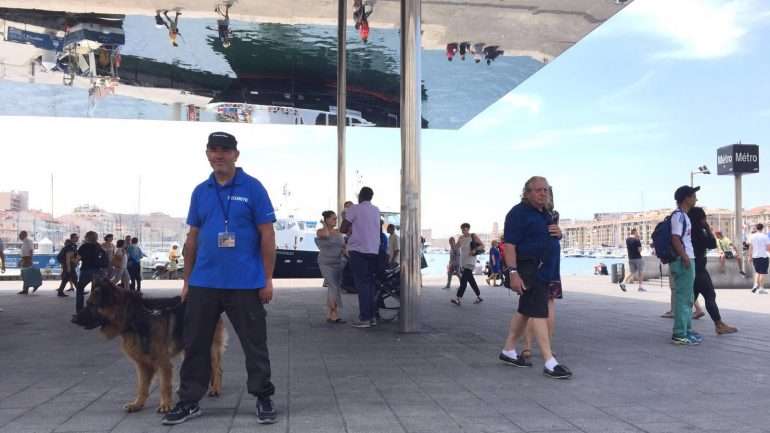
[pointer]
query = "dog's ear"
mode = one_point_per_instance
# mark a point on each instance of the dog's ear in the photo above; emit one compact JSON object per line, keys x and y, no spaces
{"x":103,"y":291}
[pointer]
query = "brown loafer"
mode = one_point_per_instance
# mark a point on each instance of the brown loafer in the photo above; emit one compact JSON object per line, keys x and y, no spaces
{"x":723,"y":328}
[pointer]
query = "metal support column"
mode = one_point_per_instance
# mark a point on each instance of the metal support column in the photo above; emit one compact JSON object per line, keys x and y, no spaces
{"x":411,"y":123}
{"x":738,"y":239}
{"x":342,"y":105}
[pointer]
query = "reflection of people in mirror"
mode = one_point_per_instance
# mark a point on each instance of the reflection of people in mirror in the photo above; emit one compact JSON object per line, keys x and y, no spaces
{"x":491,"y":53}
{"x":361,"y":16}
{"x":171,"y":25}
{"x":451,"y":50}
{"x":478,"y":51}
{"x":223,"y":24}
{"x":464,"y":48}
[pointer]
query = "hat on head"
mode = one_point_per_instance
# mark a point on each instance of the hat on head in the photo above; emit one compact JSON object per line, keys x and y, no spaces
{"x":685,"y":191}
{"x":221,"y":139}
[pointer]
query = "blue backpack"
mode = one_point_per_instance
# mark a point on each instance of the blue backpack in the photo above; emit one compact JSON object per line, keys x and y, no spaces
{"x":662,"y":240}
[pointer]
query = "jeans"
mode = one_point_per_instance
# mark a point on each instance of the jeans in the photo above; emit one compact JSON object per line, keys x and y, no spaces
{"x":364,"y":266}
{"x":135,"y":272}
{"x":248,"y":316}
{"x":684,"y":279}
{"x":465,"y":278}
{"x":86,"y":276}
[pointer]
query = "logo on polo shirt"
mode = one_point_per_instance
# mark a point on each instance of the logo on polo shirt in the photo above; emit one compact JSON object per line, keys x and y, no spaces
{"x":238,"y":198}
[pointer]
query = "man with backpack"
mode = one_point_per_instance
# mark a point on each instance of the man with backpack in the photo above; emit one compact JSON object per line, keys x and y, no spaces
{"x":681,"y":258}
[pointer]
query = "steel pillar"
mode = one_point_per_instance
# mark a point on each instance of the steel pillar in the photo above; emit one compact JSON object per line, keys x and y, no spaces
{"x":411,"y":124}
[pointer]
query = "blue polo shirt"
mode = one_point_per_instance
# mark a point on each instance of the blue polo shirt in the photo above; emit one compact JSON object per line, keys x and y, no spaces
{"x":527,"y":229}
{"x":240,"y":267}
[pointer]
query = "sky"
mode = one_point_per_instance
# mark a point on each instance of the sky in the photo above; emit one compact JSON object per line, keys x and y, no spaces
{"x":616,"y":123}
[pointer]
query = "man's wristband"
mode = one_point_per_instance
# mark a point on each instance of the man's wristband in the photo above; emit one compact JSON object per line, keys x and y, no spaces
{"x":511,"y":269}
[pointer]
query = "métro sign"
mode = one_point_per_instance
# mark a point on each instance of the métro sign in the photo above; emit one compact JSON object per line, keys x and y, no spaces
{"x":738,"y":159}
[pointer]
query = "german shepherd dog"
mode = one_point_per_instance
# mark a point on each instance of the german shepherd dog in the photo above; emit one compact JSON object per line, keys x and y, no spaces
{"x":151,"y":332}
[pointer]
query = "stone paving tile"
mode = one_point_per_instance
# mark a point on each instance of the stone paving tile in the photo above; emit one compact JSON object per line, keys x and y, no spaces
{"x":447,"y":379}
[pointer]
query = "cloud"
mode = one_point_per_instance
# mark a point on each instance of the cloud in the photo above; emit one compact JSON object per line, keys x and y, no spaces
{"x":522,"y":102}
{"x":557,"y":136}
{"x":698,"y":29}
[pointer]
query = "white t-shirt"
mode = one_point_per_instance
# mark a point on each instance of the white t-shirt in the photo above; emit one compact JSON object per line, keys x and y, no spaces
{"x":680,"y":220}
{"x":759,"y":242}
{"x":27,"y":247}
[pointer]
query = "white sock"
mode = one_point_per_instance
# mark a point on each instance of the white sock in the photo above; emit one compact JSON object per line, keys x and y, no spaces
{"x":551,"y":364}
{"x":511,"y":353}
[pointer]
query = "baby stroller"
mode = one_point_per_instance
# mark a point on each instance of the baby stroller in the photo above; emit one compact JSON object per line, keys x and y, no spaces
{"x":388,"y":293}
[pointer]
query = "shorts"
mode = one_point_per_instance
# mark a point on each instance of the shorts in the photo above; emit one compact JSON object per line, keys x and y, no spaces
{"x":729,"y":255}
{"x":534,"y":301}
{"x":635,"y":265}
{"x":760,"y":265}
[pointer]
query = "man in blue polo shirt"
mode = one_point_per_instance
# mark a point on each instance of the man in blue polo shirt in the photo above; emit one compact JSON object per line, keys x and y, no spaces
{"x":229,"y":258}
{"x":532,"y":262}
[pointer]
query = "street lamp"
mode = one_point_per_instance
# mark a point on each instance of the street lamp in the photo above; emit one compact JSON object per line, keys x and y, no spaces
{"x":700,"y":170}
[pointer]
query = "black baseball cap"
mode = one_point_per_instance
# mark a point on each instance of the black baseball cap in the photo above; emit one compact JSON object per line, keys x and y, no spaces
{"x":685,"y":191}
{"x":223,"y":140}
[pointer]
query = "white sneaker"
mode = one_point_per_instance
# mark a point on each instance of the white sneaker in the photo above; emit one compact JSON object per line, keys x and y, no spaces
{"x":642,"y":289}
{"x":762,"y":292}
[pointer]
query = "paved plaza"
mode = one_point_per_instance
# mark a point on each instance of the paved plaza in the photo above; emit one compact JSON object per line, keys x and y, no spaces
{"x":57,"y":377}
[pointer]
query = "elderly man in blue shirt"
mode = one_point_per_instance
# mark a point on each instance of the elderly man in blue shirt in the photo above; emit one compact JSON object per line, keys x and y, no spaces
{"x":532,"y":263}
{"x":229,"y":259}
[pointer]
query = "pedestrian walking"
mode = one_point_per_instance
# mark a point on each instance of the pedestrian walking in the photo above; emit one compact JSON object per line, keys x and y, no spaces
{"x":228,"y":267}
{"x":453,"y":267}
{"x":362,"y":225}
{"x":682,"y":267}
{"x":223,"y":23}
{"x":331,"y":258}
{"x":759,"y":245}
{"x":635,"y":261}
{"x":703,"y":240}
{"x":94,"y":263}
{"x":120,"y":265}
{"x":394,"y":246}
{"x":2,"y":257}
{"x":469,"y":246}
{"x":532,"y":255}
{"x":173,"y":262}
{"x":30,"y":276}
{"x":495,"y":264}
{"x":135,"y":255}
{"x":109,"y":248}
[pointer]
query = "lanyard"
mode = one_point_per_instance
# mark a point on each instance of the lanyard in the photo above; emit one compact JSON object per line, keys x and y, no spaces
{"x":225,"y":209}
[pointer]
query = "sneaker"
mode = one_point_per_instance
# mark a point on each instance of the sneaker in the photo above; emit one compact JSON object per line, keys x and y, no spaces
{"x":61,"y":294}
{"x":23,"y":292}
{"x":265,"y":411}
{"x":642,"y":289}
{"x":373,"y":322}
{"x":622,"y":287}
{"x":70,"y":290}
{"x":478,"y":301}
{"x":558,"y":372}
{"x":520,"y":361}
{"x":762,"y":292}
{"x":667,"y":315}
{"x":695,"y":336}
{"x":181,"y":413}
{"x":361,"y":324}
{"x":693,"y":340}
{"x":455,"y":301}
{"x":754,"y":289}
{"x":680,"y":341}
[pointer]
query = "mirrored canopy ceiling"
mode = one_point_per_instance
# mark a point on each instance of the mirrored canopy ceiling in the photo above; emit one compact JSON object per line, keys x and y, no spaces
{"x":261,"y":61}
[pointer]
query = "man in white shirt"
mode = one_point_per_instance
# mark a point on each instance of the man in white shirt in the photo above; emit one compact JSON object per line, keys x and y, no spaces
{"x":27,"y":249}
{"x":759,"y":244}
{"x":683,"y":268}
{"x":393,"y":246}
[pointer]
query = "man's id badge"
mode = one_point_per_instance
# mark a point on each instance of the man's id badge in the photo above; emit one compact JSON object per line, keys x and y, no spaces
{"x":226,"y":240}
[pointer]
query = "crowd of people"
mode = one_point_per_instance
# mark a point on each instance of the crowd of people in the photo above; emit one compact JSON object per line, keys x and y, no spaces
{"x":478,"y":50}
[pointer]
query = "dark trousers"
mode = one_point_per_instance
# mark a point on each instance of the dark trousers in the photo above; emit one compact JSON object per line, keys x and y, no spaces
{"x":247,"y":314}
{"x":66,"y":277}
{"x":704,"y":286}
{"x":465,"y":278}
{"x":86,"y":276}
{"x":135,"y":273}
{"x":364,"y":266}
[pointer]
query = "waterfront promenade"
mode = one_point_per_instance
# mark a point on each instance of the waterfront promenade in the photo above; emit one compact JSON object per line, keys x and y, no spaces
{"x":57,"y":377}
